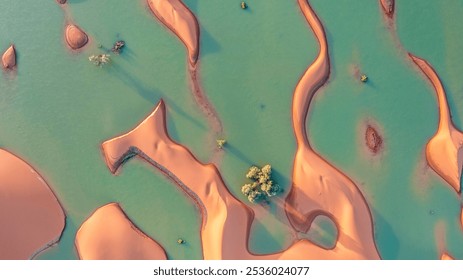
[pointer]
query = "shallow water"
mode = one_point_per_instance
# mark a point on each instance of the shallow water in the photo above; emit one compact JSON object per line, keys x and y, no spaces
{"x":58,"y":108}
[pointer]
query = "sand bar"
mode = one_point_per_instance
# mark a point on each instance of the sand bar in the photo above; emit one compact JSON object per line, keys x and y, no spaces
{"x":31,"y":217}
{"x":318,"y":187}
{"x":108,"y":234}
{"x":443,"y":150}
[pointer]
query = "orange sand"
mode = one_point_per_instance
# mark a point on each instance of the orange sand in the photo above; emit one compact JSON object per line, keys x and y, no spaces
{"x":443,"y":151}
{"x":9,"y":57}
{"x":178,"y":18}
{"x":388,"y":7}
{"x":318,"y":187}
{"x":75,"y":37}
{"x":446,"y":257}
{"x":109,"y":235}
{"x":31,"y":217}
{"x":226,"y":220}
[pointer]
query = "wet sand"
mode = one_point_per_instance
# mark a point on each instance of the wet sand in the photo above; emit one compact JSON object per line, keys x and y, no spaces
{"x":108,"y":234}
{"x":444,"y":150}
{"x":31,"y":217}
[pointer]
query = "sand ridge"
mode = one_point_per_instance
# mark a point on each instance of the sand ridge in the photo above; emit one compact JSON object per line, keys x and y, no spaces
{"x":178,"y":18}
{"x":31,"y":216}
{"x":183,"y":23}
{"x":108,"y":234}
{"x":318,"y":187}
{"x":444,"y":150}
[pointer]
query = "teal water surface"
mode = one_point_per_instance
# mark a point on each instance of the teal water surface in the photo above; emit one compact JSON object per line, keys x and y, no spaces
{"x":57,"y":108}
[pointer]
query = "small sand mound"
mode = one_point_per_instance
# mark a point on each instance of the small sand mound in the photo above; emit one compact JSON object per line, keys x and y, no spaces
{"x":76,"y":38}
{"x":9,"y":57}
{"x":373,"y":140}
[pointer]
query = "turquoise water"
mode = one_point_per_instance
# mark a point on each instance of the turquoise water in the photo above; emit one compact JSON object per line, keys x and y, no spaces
{"x":58,"y":108}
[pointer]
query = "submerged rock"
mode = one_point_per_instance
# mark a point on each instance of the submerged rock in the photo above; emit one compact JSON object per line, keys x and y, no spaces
{"x":61,"y":1}
{"x":9,"y":57}
{"x":76,"y":38}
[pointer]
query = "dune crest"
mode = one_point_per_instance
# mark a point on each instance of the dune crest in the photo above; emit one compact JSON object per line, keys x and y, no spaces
{"x":444,"y":150}
{"x":178,"y":18}
{"x":226,"y":220}
{"x":9,"y":57}
{"x":76,"y":38}
{"x":31,"y":217}
{"x":108,"y":234}
{"x":318,"y":187}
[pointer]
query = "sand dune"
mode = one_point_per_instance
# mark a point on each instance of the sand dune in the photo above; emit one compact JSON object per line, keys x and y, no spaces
{"x":178,"y":18}
{"x":109,"y":235}
{"x":444,"y":150}
{"x":76,"y":38}
{"x":31,"y":217}
{"x":318,"y":187}
{"x":9,"y":57}
{"x":226,"y":220}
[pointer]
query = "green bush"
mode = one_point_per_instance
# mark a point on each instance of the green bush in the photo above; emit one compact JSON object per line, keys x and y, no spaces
{"x":262,"y":186}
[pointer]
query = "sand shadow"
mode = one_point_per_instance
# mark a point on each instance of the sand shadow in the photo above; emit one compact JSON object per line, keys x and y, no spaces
{"x":151,"y":95}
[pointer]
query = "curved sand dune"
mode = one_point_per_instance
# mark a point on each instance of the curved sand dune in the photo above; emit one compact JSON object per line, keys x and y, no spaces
{"x":388,"y":7}
{"x":226,"y":220}
{"x":178,"y":18}
{"x":108,"y":234}
{"x":31,"y":218}
{"x":76,"y":38}
{"x":318,"y":187}
{"x":9,"y":57}
{"x":444,"y":150}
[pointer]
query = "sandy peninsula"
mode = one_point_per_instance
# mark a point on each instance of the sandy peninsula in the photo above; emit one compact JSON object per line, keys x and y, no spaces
{"x":31,"y":217}
{"x":318,"y":187}
{"x":9,"y":58}
{"x":178,"y":18}
{"x":75,"y":37}
{"x":444,"y":152}
{"x":108,"y":234}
